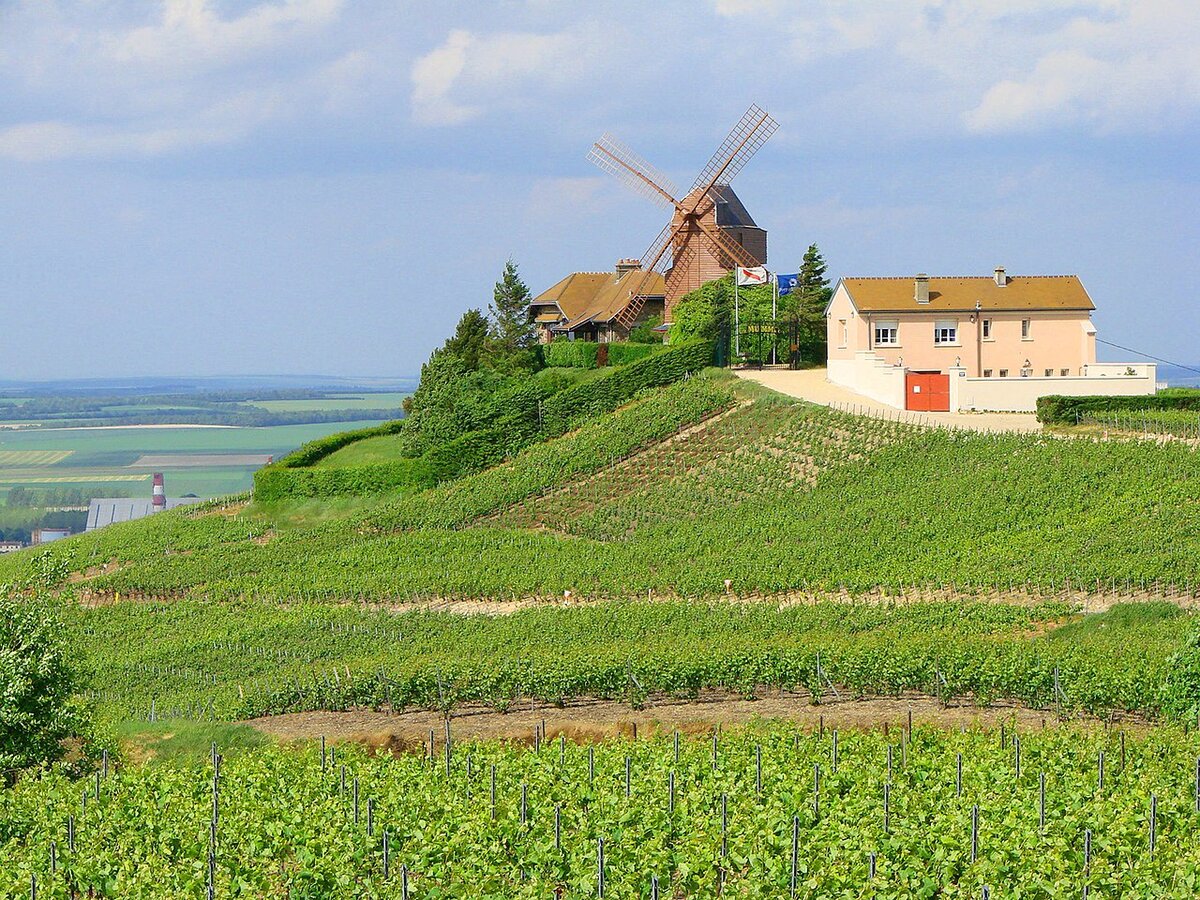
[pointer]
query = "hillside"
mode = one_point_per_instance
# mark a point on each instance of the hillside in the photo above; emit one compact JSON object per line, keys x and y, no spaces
{"x":575,"y":645}
{"x":775,"y":496}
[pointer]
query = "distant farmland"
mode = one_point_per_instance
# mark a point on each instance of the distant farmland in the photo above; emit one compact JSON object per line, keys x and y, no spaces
{"x":107,"y":458}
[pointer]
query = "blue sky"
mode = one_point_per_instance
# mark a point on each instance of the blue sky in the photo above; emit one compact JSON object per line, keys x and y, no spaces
{"x":300,"y":186}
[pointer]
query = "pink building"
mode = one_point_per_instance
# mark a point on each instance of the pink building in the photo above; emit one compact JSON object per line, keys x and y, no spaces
{"x":996,"y":342}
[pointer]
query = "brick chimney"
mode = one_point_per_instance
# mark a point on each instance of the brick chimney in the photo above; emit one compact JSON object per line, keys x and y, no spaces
{"x":628,"y":265}
{"x":921,"y":288}
{"x":1001,"y":278}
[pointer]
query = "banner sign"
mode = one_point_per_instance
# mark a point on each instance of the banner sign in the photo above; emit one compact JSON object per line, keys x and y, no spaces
{"x":787,"y":283}
{"x":755,"y":275}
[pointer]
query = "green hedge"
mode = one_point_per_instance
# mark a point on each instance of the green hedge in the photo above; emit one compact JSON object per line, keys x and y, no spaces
{"x":273,"y":483}
{"x":566,"y":410}
{"x":308,"y":454}
{"x":563,"y":354}
{"x":622,"y":354}
{"x":566,"y":354}
{"x":529,"y":422}
{"x":1054,"y":410}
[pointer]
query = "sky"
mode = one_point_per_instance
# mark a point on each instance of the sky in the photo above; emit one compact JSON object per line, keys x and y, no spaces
{"x":209,"y":187}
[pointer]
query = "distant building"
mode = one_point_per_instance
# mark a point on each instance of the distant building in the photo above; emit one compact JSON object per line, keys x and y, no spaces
{"x":48,"y":535}
{"x":11,"y":546}
{"x":983,"y":343}
{"x":599,"y":306}
{"x":108,"y":510}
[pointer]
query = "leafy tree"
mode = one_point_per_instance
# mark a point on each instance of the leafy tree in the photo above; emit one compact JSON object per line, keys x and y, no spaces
{"x":469,"y":339}
{"x":511,"y":328}
{"x":812,"y":295}
{"x":38,"y":710}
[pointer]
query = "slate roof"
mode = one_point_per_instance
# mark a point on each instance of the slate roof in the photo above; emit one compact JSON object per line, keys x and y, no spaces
{"x":960,"y":294}
{"x":584,"y":297}
{"x":107,"y":510}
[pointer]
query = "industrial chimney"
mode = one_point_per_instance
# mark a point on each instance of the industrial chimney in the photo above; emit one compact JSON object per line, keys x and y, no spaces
{"x":159,"y":498}
{"x":1001,"y":278}
{"x":921,"y":289}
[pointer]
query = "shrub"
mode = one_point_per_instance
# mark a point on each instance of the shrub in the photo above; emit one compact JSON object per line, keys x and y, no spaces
{"x":622,"y":354}
{"x":565,"y":354}
{"x":1054,"y":409}
{"x":38,"y":710}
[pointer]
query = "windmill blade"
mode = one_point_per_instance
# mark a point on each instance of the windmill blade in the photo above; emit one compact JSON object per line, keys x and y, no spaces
{"x":655,"y":257}
{"x":721,"y":243}
{"x":626,"y":166}
{"x":746,"y":138}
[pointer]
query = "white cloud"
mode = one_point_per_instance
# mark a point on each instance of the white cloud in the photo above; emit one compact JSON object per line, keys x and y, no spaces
{"x":191,"y":31}
{"x":469,"y":72}
{"x":1137,"y":68}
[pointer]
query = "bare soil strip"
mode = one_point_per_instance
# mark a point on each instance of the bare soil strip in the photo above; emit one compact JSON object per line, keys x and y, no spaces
{"x":595,"y":720}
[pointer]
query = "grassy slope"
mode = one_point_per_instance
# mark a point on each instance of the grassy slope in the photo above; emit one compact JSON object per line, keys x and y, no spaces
{"x":777,"y":496}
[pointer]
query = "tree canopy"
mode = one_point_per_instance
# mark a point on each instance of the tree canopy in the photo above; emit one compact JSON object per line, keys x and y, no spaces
{"x":511,"y":328}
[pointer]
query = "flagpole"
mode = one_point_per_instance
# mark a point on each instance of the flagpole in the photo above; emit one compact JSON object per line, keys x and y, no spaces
{"x":736,"y":336}
{"x":774,"y":301}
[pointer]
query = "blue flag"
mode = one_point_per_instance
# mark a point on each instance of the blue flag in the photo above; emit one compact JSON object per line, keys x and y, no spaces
{"x":787,"y":283}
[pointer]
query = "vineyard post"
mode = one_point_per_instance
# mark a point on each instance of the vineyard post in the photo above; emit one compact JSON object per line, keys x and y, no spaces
{"x":32,"y":887}
{"x":1087,"y":853}
{"x":1100,"y":772}
{"x":714,"y":750}
{"x":404,"y":882}
{"x":599,"y":867}
{"x":795,"y":851}
{"x":758,"y":769}
{"x":104,"y":763}
{"x":1153,"y":821}
{"x":974,"y":832}
{"x":356,"y":800}
{"x":562,"y":751}
{"x":1197,"y":789}
{"x":342,"y":790}
{"x":53,"y":857}
{"x":816,"y":791}
{"x":1017,"y":756}
{"x":724,"y":827}
{"x":524,"y":803}
{"x":958,"y":776}
{"x":671,"y":792}
{"x":386,"y":855}
{"x":370,"y":817}
{"x":889,"y":762}
{"x":323,"y":760}
{"x":558,"y":826}
{"x":835,"y":749}
{"x":887,"y":808}
{"x":628,"y":766}
{"x":653,"y":887}
{"x":493,"y":792}
{"x":591,"y":765}
{"x":676,"y":745}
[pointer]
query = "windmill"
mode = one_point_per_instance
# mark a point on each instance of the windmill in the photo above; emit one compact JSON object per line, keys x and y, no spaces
{"x":710,"y":231}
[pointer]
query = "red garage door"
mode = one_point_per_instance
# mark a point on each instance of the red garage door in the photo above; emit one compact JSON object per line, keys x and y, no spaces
{"x":927,"y":392}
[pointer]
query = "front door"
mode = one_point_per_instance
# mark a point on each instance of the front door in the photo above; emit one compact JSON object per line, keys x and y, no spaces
{"x":927,"y":392}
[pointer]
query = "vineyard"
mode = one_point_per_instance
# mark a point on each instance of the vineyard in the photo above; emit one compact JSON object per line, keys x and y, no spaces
{"x":203,"y":661}
{"x":763,"y":812}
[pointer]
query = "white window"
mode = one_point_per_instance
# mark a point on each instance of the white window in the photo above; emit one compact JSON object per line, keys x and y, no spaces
{"x":945,"y":331}
{"x":987,"y":329}
{"x":887,"y":333}
{"x":1025,"y":329}
{"x":845,"y":332}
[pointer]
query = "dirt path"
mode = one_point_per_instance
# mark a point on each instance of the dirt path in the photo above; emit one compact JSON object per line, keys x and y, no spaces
{"x":589,"y":720}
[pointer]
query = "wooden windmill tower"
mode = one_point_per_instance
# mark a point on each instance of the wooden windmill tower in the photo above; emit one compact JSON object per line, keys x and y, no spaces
{"x":710,"y":231}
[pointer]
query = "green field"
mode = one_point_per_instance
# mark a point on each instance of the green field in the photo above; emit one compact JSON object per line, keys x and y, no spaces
{"x":99,"y":457}
{"x":389,"y":400}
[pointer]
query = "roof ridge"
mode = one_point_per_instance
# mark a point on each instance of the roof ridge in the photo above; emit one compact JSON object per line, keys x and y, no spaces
{"x":950,"y":277}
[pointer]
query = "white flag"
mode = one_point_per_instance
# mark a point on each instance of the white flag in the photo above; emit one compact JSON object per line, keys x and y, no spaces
{"x":755,"y":275}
